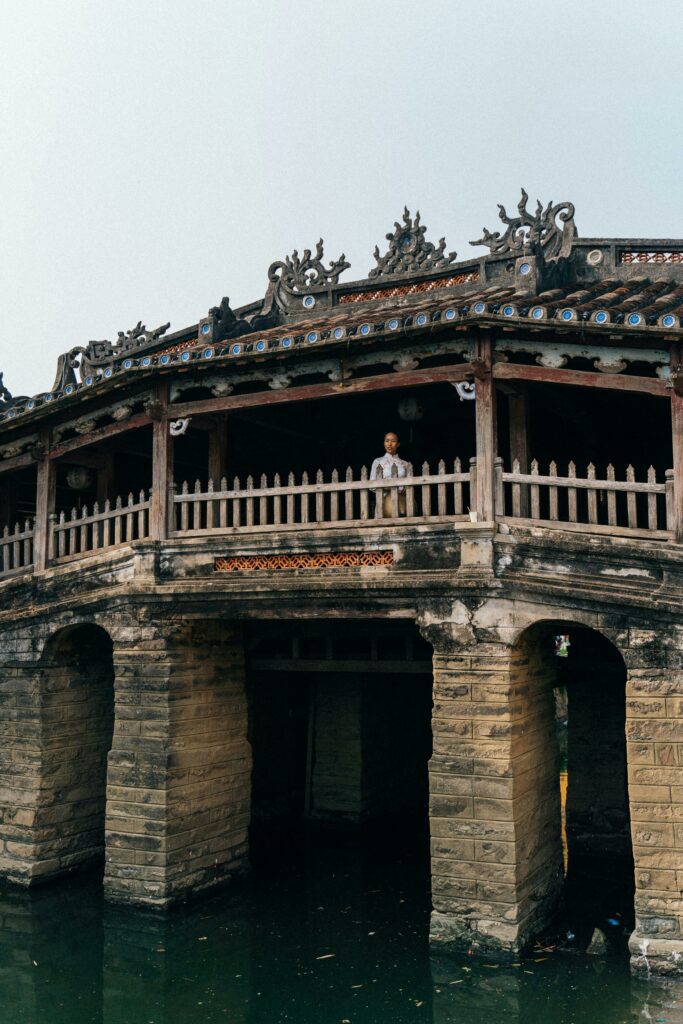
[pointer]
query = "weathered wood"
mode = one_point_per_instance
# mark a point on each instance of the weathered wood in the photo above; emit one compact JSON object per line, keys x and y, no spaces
{"x":218,"y":447}
{"x":571,"y":494}
{"x":518,"y":412}
{"x":308,"y":392}
{"x":535,"y":492}
{"x":592,"y":496}
{"x":631,"y":509}
{"x":485,"y":419}
{"x":581,"y":378}
{"x":677,"y":442}
{"x":140,"y":419}
{"x":46,"y":485}
{"x":612,"y":499}
{"x":162,"y":467}
{"x":652,"y":501}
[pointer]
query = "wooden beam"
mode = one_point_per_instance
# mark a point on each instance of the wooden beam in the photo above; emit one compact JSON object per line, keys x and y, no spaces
{"x":162,"y":467}
{"x":141,"y":419}
{"x":485,"y":409}
{"x":309,"y":392}
{"x":46,"y":489}
{"x":582,"y":378}
{"x":17,"y":462}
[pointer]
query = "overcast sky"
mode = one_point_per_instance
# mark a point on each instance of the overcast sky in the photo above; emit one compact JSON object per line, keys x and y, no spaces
{"x":159,"y":154}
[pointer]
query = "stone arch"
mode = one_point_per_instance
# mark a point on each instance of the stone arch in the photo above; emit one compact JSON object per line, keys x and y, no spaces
{"x":592,"y":677}
{"x":76,"y":695}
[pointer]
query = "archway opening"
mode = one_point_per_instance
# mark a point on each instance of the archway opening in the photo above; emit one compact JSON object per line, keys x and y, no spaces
{"x":579,"y":677}
{"x":340,"y":727}
{"x":77,"y":689}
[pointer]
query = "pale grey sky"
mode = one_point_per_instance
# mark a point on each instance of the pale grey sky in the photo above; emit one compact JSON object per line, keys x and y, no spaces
{"x":159,"y":154}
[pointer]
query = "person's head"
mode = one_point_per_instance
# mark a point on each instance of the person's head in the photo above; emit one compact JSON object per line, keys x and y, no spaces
{"x":391,"y":443}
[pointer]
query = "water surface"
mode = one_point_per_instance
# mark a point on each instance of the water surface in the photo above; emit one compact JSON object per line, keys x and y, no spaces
{"x":325,"y":931}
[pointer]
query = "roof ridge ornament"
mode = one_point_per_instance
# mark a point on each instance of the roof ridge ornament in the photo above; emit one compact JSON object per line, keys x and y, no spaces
{"x":409,"y":251}
{"x":298,"y":274}
{"x":535,"y":234}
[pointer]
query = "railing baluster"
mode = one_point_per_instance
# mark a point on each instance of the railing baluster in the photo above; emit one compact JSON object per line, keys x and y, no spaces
{"x":334,"y":498}
{"x":28,"y":544}
{"x":457,"y":489}
{"x":571,"y":493}
{"x":535,"y":492}
{"x":223,"y":506}
{"x":130,"y":520}
{"x":348,"y":496}
{"x":553,"y":510}
{"x":426,"y":493}
{"x":498,"y":491}
{"x":5,"y":561}
{"x":197,"y":508}
{"x":393,"y":495}
{"x":291,"y":510}
{"x":73,"y":532}
{"x":611,"y":499}
{"x":516,"y":491}
{"x":16,"y":546}
{"x":631,"y":507}
{"x":236,"y":504}
{"x":669,"y":499}
{"x":106,"y":525}
{"x":379,"y":496}
{"x":185,"y":509}
{"x":472,"y":489}
{"x":410,"y":492}
{"x":83,"y":545}
{"x":592,"y":496}
{"x":364,"y":494}
{"x":62,"y":535}
{"x":209,"y":506}
{"x":277,"y":502}
{"x":250,"y":503}
{"x":441,"y":490}
{"x":118,"y":520}
{"x":263,"y":503}
{"x":652,"y":500}
{"x":319,"y":499}
{"x":304,"y":498}
{"x":143,"y":516}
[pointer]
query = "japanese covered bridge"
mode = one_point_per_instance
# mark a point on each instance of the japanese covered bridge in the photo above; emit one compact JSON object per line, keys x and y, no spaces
{"x":211,"y":611}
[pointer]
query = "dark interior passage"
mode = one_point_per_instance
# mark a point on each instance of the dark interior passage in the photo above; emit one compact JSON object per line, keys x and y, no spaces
{"x":589,"y":677}
{"x":340,"y":726}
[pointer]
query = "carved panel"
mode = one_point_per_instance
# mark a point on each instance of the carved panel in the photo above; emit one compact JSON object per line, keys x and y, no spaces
{"x":323,"y":560}
{"x":411,"y":289}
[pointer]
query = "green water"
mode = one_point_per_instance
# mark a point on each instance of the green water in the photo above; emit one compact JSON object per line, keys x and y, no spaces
{"x":328,"y":932}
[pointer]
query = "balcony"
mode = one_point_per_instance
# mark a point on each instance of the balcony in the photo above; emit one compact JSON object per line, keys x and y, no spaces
{"x":589,"y":503}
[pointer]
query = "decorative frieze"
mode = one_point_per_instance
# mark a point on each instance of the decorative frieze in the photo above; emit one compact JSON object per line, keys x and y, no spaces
{"x":322,"y":560}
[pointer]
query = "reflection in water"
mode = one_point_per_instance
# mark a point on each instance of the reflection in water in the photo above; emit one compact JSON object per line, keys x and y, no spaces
{"x":331,"y":932}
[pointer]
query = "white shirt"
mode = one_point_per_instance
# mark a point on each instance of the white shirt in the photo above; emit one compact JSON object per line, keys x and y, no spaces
{"x":386,"y":462}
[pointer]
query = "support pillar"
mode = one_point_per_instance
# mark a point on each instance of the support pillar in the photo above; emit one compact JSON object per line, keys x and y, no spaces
{"x":654,"y":734}
{"x":179,"y":783}
{"x":485,"y":411}
{"x":677,"y":439}
{"x":46,"y":488}
{"x":162,"y":465}
{"x":494,"y":783}
{"x":518,"y":409}
{"x":218,"y":449}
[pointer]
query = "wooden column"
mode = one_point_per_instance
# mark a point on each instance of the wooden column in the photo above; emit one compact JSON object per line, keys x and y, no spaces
{"x":677,"y":437}
{"x":218,"y":449}
{"x":162,"y":465}
{"x":518,"y":407}
{"x":46,"y":489}
{"x":485,"y":427}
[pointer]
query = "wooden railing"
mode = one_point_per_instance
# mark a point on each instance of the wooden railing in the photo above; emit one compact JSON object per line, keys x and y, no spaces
{"x":604,"y":504}
{"x":309,"y":503}
{"x":16,"y":549}
{"x":589,"y":504}
{"x":82,"y":532}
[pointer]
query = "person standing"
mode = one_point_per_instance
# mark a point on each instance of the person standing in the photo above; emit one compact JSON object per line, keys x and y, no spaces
{"x":386,"y":463}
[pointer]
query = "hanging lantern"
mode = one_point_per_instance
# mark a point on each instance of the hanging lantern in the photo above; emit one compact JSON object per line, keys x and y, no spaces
{"x":79,"y":478}
{"x":410,"y":410}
